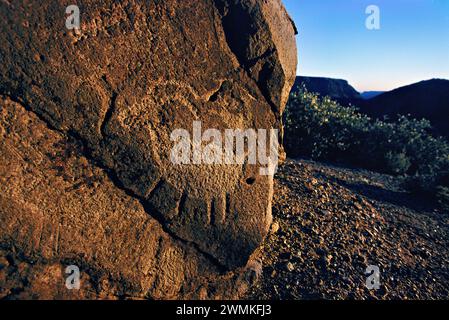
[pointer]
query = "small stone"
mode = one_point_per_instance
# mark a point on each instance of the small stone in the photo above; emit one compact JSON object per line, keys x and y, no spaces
{"x":254,"y":271}
{"x":274,"y":227}
{"x":309,"y":186}
{"x":358,"y":205}
{"x":290,"y":267}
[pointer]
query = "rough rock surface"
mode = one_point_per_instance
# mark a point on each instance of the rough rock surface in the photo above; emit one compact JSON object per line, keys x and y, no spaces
{"x":86,"y":119}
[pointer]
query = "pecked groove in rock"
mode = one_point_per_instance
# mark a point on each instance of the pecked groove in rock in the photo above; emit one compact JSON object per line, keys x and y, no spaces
{"x":137,"y":71}
{"x":44,"y":230}
{"x":84,"y":152}
{"x":109,"y":113}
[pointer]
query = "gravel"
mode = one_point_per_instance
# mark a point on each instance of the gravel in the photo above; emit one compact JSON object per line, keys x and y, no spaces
{"x":331,"y":223}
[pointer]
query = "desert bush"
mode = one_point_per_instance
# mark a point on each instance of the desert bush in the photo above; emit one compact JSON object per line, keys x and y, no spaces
{"x":397,"y":163}
{"x":442,"y":195}
{"x":322,"y":129}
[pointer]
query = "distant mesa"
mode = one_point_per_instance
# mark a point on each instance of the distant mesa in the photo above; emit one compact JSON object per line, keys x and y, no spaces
{"x":337,"y":89}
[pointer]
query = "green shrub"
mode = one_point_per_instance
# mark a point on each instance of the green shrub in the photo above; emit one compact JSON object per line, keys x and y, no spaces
{"x":322,"y":129}
{"x":442,"y":195}
{"x":397,"y":163}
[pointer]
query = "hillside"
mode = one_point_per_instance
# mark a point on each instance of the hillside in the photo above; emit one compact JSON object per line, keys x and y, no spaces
{"x":426,"y":99}
{"x":332,"y":222}
{"x":337,"y":89}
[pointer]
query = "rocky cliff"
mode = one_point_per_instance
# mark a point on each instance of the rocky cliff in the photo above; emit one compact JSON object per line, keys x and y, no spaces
{"x":337,"y":89}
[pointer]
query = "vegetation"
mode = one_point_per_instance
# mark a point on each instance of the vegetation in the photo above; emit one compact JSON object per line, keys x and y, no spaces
{"x":322,"y":129}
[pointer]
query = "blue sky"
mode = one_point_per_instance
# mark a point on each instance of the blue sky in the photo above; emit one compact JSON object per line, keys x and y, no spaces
{"x":411,"y":45}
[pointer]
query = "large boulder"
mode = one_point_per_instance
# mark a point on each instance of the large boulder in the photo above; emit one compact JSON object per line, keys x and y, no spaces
{"x":87,"y":123}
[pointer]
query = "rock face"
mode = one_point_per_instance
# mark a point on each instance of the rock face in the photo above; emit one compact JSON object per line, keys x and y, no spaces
{"x":86,"y":122}
{"x":337,"y":89}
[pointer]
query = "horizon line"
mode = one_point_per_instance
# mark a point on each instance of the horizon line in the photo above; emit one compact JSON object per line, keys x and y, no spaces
{"x":362,"y":91}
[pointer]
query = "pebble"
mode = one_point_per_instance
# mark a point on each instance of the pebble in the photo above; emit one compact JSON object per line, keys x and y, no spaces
{"x":290,"y":267}
{"x":274,"y":227}
{"x":335,"y":241}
